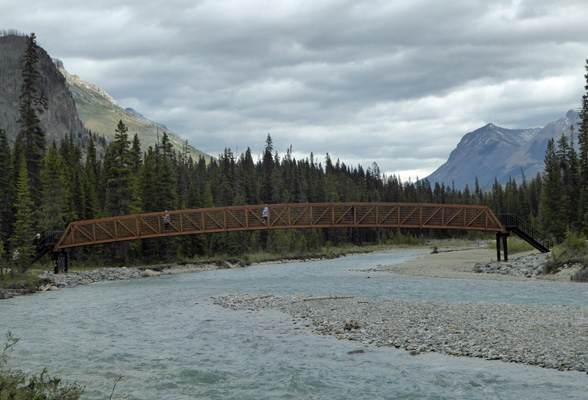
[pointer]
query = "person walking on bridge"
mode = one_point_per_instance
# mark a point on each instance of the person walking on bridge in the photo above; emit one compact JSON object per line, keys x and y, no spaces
{"x":265,"y":214}
{"x":166,"y":220}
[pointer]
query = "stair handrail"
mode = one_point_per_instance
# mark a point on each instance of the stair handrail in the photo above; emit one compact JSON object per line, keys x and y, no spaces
{"x":46,"y":243}
{"x":513,"y":221}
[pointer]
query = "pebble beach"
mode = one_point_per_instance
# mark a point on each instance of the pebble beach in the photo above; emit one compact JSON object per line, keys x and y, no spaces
{"x":545,"y":336}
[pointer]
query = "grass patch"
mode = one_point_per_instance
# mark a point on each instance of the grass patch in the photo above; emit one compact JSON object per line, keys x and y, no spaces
{"x":515,"y":245}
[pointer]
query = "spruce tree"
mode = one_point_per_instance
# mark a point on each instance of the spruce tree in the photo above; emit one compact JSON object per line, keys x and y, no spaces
{"x":246,"y":184}
{"x":31,"y":140}
{"x":24,"y":231}
{"x":136,"y":155}
{"x":568,"y":164}
{"x":90,"y":183}
{"x":166,"y":184}
{"x":552,"y":203}
{"x":267,"y":171}
{"x":148,"y":182}
{"x":583,"y":156}
{"x":227,"y":184}
{"x":6,"y":187}
{"x":55,"y":189}
{"x":121,"y":184}
{"x":75,"y":201}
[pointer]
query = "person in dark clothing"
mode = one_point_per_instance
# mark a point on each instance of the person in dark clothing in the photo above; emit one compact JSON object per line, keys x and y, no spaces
{"x":37,"y":241}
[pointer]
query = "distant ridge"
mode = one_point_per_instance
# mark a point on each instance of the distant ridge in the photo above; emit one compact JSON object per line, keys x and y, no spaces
{"x":492,"y":152}
{"x":100,"y":113}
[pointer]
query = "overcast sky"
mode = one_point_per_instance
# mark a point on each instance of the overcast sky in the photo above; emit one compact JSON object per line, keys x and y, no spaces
{"x":396,"y":82}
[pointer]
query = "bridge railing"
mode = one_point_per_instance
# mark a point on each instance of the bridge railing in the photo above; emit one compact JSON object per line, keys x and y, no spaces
{"x":527,"y":231}
{"x":280,"y":216}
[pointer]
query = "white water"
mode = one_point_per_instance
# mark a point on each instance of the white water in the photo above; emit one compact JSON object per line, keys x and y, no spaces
{"x":168,"y":341}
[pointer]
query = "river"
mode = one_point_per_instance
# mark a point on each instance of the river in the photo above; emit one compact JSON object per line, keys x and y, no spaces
{"x":167,"y":340}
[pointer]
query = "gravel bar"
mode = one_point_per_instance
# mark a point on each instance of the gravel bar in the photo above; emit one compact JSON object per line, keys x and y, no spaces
{"x":545,"y":336}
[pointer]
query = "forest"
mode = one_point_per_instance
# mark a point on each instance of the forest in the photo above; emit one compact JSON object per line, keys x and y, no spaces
{"x":44,"y":186}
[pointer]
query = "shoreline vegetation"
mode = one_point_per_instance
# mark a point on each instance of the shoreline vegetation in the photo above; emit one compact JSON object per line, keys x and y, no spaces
{"x":451,"y":259}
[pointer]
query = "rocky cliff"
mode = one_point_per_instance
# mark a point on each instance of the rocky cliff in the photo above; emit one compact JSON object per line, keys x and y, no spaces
{"x":75,"y":105}
{"x":61,"y":117}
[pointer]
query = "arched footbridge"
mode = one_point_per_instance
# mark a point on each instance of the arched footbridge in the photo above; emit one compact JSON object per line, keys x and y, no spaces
{"x":294,"y":216}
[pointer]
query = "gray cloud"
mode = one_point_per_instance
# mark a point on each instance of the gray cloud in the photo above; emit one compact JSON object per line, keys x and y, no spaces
{"x":393,"y":82}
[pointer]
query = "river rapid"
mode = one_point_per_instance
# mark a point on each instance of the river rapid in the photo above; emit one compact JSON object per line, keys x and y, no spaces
{"x":166,"y":339}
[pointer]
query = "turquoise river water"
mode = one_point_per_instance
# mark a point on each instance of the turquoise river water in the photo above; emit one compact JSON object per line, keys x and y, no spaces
{"x":168,"y":341}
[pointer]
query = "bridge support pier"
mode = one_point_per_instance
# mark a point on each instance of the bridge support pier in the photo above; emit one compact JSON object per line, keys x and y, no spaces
{"x":501,"y":243}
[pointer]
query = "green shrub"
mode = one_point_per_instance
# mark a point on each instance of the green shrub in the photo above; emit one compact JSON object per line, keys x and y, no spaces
{"x":573,"y":249}
{"x":20,"y":386}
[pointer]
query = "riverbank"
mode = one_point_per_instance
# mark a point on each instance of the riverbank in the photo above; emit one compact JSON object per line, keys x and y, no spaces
{"x":479,"y":262}
{"x":544,"y":336}
{"x":458,"y":261}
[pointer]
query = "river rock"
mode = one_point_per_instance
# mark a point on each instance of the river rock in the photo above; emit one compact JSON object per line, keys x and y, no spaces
{"x":350,"y":325}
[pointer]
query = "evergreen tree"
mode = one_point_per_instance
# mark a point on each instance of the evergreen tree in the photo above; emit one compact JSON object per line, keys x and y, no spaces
{"x":497,"y":200}
{"x":6,"y":187}
{"x":552,"y":204}
{"x":524,"y":204}
{"x":226,"y":183}
{"x":478,"y":194}
{"x":267,"y":171}
{"x":148,"y":182}
{"x":121,"y":184}
{"x":75,"y":201}
{"x":31,"y":140}
{"x":55,"y":213}
{"x":511,"y":197}
{"x":331,"y":182}
{"x":246,"y":184}
{"x":568,"y":165}
{"x":90,"y":183}
{"x":135,"y":155}
{"x":276,"y":183}
{"x":583,"y":155}
{"x":572,"y":181}
{"x":166,"y":175}
{"x":21,"y":239}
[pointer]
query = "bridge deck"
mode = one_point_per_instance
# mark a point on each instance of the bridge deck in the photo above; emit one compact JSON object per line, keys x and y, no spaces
{"x":280,"y":216}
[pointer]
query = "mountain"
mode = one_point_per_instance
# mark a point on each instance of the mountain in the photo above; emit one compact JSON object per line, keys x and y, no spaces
{"x":492,"y":152}
{"x":100,"y":113}
{"x":74,"y":105}
{"x":61,"y":116}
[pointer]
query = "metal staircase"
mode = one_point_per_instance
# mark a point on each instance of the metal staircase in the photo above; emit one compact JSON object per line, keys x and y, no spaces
{"x":46,"y":244}
{"x":515,"y":224}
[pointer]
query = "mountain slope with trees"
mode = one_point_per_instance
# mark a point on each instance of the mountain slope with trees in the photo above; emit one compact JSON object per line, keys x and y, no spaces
{"x":100,"y":112}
